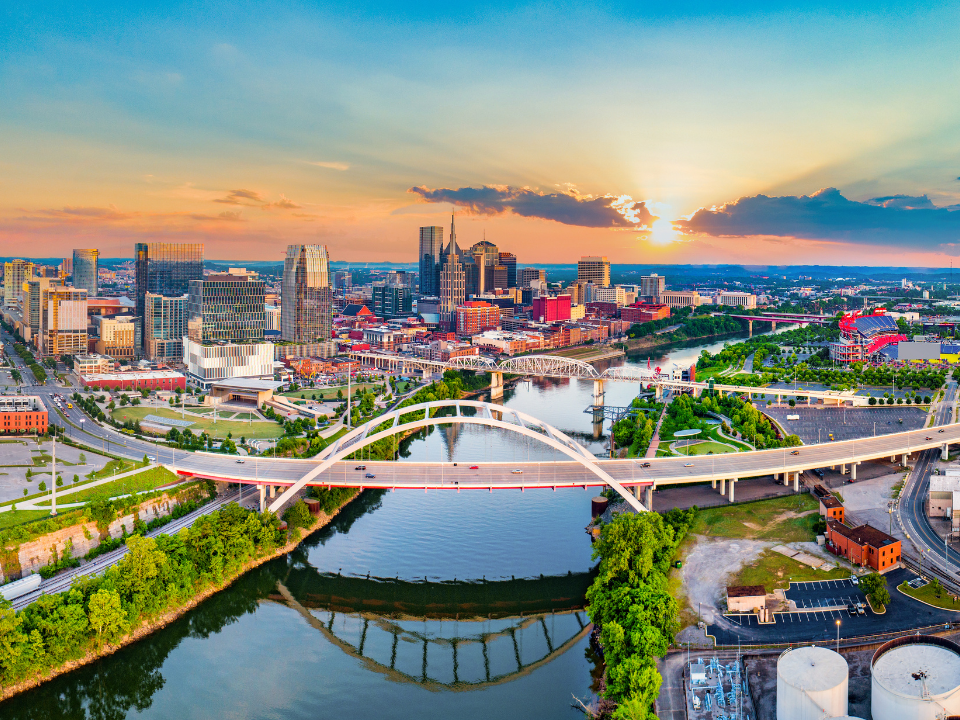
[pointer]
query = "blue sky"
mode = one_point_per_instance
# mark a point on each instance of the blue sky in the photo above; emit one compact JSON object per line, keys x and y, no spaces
{"x":128,"y":121}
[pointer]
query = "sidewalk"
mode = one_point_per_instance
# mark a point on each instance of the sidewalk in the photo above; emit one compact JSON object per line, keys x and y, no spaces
{"x":31,"y":503}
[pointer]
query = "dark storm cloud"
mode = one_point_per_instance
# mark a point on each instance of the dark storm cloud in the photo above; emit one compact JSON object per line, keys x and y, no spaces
{"x":569,"y":208}
{"x":894,"y":220}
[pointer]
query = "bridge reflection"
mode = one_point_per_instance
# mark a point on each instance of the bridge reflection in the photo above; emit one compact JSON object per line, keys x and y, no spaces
{"x":455,"y":655}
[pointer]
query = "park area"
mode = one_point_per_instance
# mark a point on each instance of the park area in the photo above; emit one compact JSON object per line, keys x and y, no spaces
{"x":218,"y":428}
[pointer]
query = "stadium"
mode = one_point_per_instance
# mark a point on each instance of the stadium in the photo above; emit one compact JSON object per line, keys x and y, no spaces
{"x":862,"y":336}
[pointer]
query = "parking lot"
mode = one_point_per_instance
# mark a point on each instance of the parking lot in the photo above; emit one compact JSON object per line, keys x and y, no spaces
{"x":816,"y":423}
{"x":902,"y":615}
{"x":825,"y":593}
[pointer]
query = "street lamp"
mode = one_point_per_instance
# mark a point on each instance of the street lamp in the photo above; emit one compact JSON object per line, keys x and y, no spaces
{"x":838,"y":636}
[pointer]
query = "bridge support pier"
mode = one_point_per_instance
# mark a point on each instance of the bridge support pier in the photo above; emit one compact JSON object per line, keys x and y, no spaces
{"x":945,"y":452}
{"x":796,"y":482}
{"x":773,"y":327}
{"x":749,"y":328}
{"x":733,"y":482}
{"x":597,"y":391}
{"x":723,"y":486}
{"x":843,"y":469}
{"x":713,"y":483}
{"x":648,"y":500}
{"x":263,"y":497}
{"x":853,"y":471}
{"x":776,"y":476}
{"x":893,"y":458}
{"x":496,"y":385}
{"x":273,"y":491}
{"x":658,"y":392}
{"x":786,"y":479}
{"x":905,"y":459}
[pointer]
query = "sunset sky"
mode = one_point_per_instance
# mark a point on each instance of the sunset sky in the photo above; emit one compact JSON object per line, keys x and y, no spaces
{"x":658,"y":132}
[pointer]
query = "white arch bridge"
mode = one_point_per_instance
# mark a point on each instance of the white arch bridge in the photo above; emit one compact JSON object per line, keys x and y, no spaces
{"x":578,"y":469}
{"x":466,"y":412}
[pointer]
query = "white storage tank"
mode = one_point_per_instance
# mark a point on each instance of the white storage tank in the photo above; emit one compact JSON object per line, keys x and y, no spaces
{"x":811,"y":684}
{"x":916,"y":677}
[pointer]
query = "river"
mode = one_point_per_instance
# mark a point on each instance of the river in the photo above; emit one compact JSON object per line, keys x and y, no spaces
{"x":410,"y":604}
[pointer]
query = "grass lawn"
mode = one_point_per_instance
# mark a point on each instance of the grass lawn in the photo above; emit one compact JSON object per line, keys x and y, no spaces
{"x":114,"y":467}
{"x":17,"y":517}
{"x":773,"y":571}
{"x":708,"y":447}
{"x":256,"y":430}
{"x":927,"y":595}
{"x":329,"y":393}
{"x":774,"y":519}
{"x":146,"y":480}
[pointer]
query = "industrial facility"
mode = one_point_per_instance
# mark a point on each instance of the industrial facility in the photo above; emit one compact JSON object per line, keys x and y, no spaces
{"x":916,"y":677}
{"x":811,"y":683}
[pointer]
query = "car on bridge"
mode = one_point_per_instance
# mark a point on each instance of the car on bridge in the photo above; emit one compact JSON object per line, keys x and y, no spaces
{"x":795,"y":452}
{"x":474,"y":467}
{"x":360,"y":467}
{"x":370,"y":476}
{"x":516,"y":472}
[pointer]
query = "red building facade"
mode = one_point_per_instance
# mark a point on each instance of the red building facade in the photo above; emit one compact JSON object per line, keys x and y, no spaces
{"x":22,"y":414}
{"x":153,"y":380}
{"x":551,"y":309}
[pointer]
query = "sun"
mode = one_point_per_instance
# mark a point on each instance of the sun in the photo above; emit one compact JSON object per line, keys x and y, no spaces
{"x":662,"y":232}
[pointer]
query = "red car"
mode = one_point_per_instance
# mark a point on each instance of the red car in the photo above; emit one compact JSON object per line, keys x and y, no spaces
{"x":474,"y":467}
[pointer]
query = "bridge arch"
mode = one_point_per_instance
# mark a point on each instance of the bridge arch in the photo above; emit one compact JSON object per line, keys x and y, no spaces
{"x":525,"y":425}
{"x":549,"y":366}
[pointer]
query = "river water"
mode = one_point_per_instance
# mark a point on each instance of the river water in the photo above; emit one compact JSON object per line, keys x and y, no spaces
{"x":410,"y":604}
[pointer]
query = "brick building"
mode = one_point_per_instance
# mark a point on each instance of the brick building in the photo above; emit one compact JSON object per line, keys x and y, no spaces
{"x":830,"y":506}
{"x":863,"y":545}
{"x":642,"y":312}
{"x":477,"y":316}
{"x":22,"y":413}
{"x":136,"y":380}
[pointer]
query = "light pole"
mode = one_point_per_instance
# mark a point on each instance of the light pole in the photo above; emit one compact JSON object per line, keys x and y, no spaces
{"x":838,"y":636}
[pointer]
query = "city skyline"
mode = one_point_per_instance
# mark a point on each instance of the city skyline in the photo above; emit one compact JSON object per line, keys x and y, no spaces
{"x":783,"y":134}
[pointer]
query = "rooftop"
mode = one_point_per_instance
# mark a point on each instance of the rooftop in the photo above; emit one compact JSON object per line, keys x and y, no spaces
{"x":246,"y":384}
{"x":745,"y":591}
{"x":863,"y":534}
{"x":134,"y":375}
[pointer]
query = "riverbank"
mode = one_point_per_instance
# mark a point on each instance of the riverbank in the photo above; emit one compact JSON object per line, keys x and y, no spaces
{"x":652,"y":342}
{"x":295,"y":537}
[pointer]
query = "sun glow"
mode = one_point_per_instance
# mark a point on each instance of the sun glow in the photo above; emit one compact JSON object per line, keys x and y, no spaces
{"x":662,"y":232}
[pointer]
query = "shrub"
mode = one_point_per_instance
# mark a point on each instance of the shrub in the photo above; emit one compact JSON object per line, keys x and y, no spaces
{"x":298,"y":516}
{"x":43,"y":486}
{"x":872,"y":401}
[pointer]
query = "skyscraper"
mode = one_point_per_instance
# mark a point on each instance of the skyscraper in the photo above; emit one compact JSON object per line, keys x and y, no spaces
{"x":391,"y":300}
{"x":86,"y":269}
{"x":34,"y":306}
{"x":652,"y":285}
{"x":509,"y":260}
{"x":431,"y":248}
{"x":64,"y":324}
{"x":164,"y":325}
{"x":526,"y":275}
{"x":166,"y":269}
{"x":452,"y":283}
{"x":226,"y":307}
{"x":594,"y":269}
{"x":487,"y":257}
{"x":15,"y":274}
{"x":306,"y":312}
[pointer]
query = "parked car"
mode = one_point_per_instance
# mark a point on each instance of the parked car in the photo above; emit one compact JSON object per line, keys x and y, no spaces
{"x":852,"y":610}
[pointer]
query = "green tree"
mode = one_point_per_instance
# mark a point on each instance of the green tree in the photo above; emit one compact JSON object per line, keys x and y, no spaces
{"x":76,"y":478}
{"x":874,"y":586}
{"x":105,"y":615}
{"x":42,"y":487}
{"x":298,"y":515}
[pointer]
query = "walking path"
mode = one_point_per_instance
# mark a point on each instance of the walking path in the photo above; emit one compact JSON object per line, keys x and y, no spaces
{"x":31,"y":504}
{"x":655,"y":440}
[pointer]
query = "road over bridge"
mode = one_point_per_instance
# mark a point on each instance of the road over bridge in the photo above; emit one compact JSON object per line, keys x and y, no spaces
{"x":580,"y":470}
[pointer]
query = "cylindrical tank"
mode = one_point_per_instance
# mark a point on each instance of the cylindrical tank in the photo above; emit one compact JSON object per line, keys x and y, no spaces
{"x":598,"y":505}
{"x":916,"y":677}
{"x":811,"y":683}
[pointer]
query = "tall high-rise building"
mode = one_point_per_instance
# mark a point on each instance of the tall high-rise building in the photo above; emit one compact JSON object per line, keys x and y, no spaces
{"x":166,"y":269}
{"x":342,"y":280}
{"x":526,"y":275}
{"x":118,"y":336}
{"x":226,"y":307}
{"x":509,"y":260}
{"x":487,"y":256}
{"x":63,"y":328}
{"x":500,"y":281}
{"x":391,"y":300}
{"x":306,"y":306}
{"x":431,"y":248}
{"x":594,"y":269}
{"x":164,"y":325}
{"x":34,"y":306}
{"x":652,"y":285}
{"x":15,"y":274}
{"x":452,"y":283}
{"x":86,"y":269}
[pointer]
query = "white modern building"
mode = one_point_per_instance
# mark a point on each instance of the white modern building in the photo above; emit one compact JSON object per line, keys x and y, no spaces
{"x":208,"y":362}
{"x":737,"y":299}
